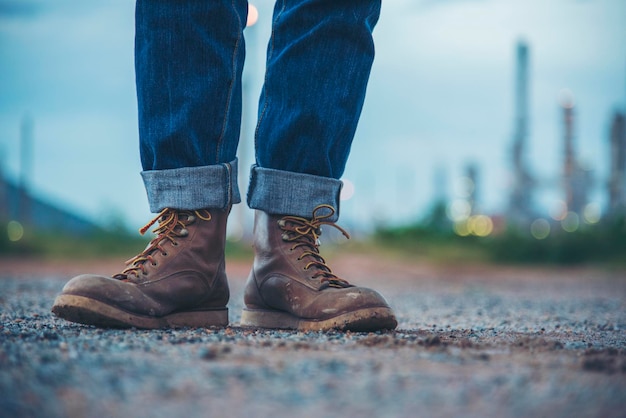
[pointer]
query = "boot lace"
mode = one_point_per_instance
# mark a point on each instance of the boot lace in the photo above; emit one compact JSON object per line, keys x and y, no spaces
{"x":305,"y":233}
{"x":172,"y":225}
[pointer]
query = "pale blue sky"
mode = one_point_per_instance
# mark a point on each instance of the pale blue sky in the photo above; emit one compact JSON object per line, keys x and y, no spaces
{"x":441,"y":95}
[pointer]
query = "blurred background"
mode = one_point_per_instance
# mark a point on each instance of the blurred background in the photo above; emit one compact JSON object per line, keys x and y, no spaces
{"x":492,"y":130}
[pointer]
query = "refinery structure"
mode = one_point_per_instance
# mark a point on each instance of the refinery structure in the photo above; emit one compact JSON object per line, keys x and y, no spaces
{"x":575,"y":182}
{"x":617,"y":177}
{"x":520,"y":210}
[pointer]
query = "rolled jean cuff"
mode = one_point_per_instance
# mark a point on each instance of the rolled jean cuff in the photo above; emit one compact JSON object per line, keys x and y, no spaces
{"x":191,"y":188}
{"x":280,"y":192}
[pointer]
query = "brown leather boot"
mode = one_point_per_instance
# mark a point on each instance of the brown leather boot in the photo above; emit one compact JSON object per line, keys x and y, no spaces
{"x":177,"y":281}
{"x":291,"y":287}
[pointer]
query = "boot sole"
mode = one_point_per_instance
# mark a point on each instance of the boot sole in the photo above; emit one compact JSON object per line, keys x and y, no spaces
{"x":363,"y":320}
{"x":88,"y":311}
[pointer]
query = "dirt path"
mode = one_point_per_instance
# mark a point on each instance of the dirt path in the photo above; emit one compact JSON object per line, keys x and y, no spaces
{"x":472,"y":341}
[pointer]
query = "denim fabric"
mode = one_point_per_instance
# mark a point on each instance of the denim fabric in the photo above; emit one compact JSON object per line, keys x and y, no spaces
{"x":318,"y":63}
{"x":287,"y":193}
{"x":189,"y":57}
{"x":213,"y":186}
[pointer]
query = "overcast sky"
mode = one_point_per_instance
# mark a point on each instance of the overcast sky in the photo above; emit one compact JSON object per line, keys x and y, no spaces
{"x":440,"y":95}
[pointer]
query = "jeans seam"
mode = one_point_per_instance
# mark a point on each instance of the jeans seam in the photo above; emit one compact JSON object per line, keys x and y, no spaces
{"x":231,"y":85}
{"x":229,"y":182}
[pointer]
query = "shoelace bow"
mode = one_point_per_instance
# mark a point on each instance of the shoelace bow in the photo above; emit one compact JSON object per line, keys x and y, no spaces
{"x":170,"y":227}
{"x":305,"y":233}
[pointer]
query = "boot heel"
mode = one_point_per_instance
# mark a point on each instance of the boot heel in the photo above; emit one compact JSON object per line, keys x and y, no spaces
{"x":260,"y":318}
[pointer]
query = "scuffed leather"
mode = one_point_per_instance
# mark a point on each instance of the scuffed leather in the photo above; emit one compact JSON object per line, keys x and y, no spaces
{"x":279,"y":281}
{"x":190,"y":277}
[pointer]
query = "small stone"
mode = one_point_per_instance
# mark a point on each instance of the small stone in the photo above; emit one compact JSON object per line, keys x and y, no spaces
{"x":432,"y":341}
{"x":214,"y":352}
{"x":483,"y":357}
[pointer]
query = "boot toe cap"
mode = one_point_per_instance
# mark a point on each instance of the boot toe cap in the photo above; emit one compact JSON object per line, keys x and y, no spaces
{"x":110,"y":291}
{"x":92,"y":285}
{"x":354,"y":298}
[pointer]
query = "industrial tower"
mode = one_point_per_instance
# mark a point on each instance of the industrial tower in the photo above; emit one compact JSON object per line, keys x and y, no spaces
{"x":576,"y":180}
{"x":520,"y":200}
{"x":617,"y":176}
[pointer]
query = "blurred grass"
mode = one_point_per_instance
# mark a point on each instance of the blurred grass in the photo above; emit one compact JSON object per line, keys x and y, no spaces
{"x":102,"y":244}
{"x":601,"y":244}
{"x":407,"y":250}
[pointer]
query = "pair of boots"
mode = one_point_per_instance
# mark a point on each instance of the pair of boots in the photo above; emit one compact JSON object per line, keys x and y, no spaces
{"x":179,"y":280}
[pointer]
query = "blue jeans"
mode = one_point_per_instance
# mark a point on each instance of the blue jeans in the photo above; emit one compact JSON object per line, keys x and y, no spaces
{"x":189,"y":57}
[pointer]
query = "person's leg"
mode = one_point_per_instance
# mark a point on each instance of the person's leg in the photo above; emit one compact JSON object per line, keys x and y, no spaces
{"x":318,"y":64}
{"x":188,"y":57}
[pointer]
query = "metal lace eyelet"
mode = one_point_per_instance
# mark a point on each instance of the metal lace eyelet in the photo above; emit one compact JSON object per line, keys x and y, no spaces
{"x":183,"y":232}
{"x":154,"y":264}
{"x":191,"y":218}
{"x":175,"y":243}
{"x":164,"y":254}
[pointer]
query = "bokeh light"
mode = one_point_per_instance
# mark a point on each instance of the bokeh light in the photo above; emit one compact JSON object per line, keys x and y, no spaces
{"x":558,"y":210}
{"x":15,"y":231}
{"x":459,"y":210}
{"x":253,"y":15}
{"x":540,"y":228}
{"x":480,"y":225}
{"x":347,"y":191}
{"x":591,"y":213}
{"x":461,"y":228}
{"x":571,"y":222}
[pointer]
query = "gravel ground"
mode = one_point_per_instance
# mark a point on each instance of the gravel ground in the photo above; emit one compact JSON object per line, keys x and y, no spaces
{"x":472,"y":341}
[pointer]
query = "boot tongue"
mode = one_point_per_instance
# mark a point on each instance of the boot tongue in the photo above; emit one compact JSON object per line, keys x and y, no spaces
{"x":305,"y":233}
{"x":125,"y":277}
{"x":172,"y":225}
{"x":336,"y":283}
